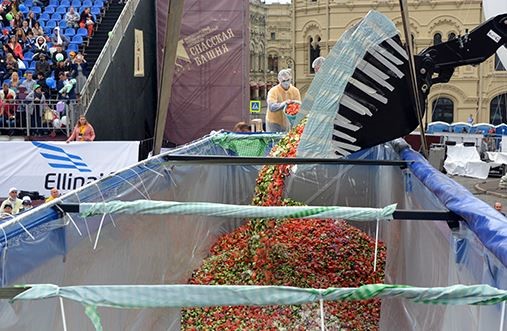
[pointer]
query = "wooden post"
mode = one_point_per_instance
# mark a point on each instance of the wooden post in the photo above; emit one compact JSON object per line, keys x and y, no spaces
{"x":172,"y":35}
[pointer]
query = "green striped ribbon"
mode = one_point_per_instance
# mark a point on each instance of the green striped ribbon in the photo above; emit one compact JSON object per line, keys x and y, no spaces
{"x":235,"y":211}
{"x":179,"y":296}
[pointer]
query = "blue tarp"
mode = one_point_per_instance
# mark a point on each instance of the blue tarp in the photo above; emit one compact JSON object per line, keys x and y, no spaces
{"x":489,"y":225}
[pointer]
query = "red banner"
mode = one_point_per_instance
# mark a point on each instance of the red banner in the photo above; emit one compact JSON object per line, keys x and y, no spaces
{"x":210,"y":86}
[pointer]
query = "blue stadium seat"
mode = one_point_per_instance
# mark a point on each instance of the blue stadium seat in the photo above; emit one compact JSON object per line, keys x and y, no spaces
{"x":87,"y":3}
{"x":28,"y":56}
{"x":62,"y":24}
{"x":28,"y":3}
{"x":27,"y":63}
{"x":65,"y":3}
{"x":73,"y":48}
{"x":82,"y":32}
{"x":55,"y":3}
{"x":37,"y":10}
{"x":62,"y":9}
{"x":56,"y":16}
{"x":48,"y":30}
{"x":44,"y":17}
{"x":69,"y":32}
{"x":49,"y":9}
{"x":77,"y":39}
{"x":95,"y":12}
{"x":32,"y":66}
{"x":98,"y":3}
{"x":51,"y":24}
{"x":76,"y":3}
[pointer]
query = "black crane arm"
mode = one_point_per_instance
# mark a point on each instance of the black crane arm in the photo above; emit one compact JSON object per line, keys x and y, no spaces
{"x":436,"y":64}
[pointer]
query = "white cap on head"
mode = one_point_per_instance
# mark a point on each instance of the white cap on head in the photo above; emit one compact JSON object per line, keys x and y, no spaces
{"x":318,"y":62}
{"x":26,"y":198}
{"x":13,"y":189}
{"x":284,"y":74}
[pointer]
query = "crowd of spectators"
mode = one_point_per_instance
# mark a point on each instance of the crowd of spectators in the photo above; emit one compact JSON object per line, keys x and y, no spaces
{"x":40,"y":62}
{"x":14,"y":205}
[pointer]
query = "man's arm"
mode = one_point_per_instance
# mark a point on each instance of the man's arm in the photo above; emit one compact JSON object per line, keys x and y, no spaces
{"x":273,"y":105}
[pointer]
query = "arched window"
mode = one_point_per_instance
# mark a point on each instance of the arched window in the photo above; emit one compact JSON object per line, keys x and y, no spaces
{"x":273,"y":63}
{"x":451,"y":36}
{"x":314,"y":47}
{"x":437,"y":38}
{"x":498,"y":109}
{"x":498,"y":64}
{"x":443,"y":110}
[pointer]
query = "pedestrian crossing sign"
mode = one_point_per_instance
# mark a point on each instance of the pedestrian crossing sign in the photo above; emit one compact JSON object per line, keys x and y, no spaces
{"x":255,"y":106}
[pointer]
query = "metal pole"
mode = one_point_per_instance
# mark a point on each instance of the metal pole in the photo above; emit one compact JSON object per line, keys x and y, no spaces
{"x":413,"y":74}
{"x":172,"y":35}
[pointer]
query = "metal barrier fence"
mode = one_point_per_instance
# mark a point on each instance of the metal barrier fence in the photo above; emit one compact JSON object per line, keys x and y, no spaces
{"x":107,"y":54}
{"x":32,"y":118}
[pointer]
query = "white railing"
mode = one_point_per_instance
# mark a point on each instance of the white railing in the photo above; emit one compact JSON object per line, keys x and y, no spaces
{"x":106,"y":56}
{"x":27,"y":118}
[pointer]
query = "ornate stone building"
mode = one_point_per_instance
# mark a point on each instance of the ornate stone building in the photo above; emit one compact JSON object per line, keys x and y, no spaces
{"x":270,"y":47}
{"x":258,"y":65}
{"x":279,"y":42}
{"x":480,"y":91}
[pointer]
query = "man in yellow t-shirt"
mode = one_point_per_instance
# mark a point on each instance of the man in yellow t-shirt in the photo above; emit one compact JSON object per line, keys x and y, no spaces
{"x":54,"y":194}
{"x":279,"y":96}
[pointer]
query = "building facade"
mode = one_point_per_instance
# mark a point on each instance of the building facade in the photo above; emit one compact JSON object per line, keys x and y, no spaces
{"x":270,"y":47}
{"x":279,"y":33}
{"x":480,"y":90}
{"x":258,"y":65}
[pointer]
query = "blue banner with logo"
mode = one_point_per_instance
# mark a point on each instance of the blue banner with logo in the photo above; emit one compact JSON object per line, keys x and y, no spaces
{"x":40,"y":166}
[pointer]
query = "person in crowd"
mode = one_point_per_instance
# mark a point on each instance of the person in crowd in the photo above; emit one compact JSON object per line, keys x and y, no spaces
{"x":470,"y":119}
{"x":41,"y":81}
{"x":83,"y":131}
{"x":17,"y":22}
{"x":40,"y":48}
{"x":87,"y":21}
{"x":6,"y":212}
{"x":20,"y":37}
{"x":499,"y":207}
{"x":490,"y":140}
{"x":29,"y":82}
{"x":15,"y":48}
{"x":29,"y":45}
{"x":317,"y":63}
{"x":24,"y":27}
{"x":59,"y":54}
{"x":38,"y":99}
{"x":26,"y":204}
{"x":79,"y":71}
{"x":72,"y":18}
{"x":15,"y":82}
{"x":72,"y":56}
{"x":42,"y":65}
{"x":279,"y":96}
{"x":241,"y":127}
{"x":37,"y":30}
{"x":66,"y":87}
{"x":11,"y":65}
{"x":31,"y":19}
{"x":59,"y":39}
{"x":53,"y":194}
{"x":7,"y":111}
{"x":13,"y":200}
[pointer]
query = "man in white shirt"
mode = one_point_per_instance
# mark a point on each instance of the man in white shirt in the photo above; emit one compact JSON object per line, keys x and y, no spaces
{"x":12,"y":200}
